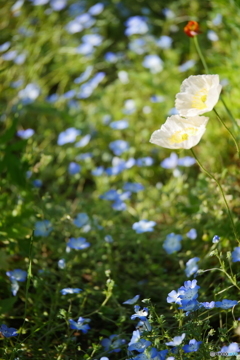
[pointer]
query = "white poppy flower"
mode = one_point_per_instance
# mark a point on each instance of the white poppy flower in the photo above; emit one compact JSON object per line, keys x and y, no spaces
{"x":180,"y":133}
{"x":198,"y":95}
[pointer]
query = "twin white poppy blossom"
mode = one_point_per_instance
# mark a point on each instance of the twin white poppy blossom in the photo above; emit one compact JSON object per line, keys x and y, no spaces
{"x":198,"y":94}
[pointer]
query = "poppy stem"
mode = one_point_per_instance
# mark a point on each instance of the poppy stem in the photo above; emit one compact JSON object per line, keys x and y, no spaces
{"x":199,"y":51}
{"x":229,"y":131}
{"x":222,"y":192}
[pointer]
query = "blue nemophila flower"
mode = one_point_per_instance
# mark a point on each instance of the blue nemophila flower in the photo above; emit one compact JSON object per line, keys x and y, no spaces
{"x":170,"y":162}
{"x":119,"y":125}
{"x":192,"y":234}
{"x":172,"y":243}
{"x":14,"y":287}
{"x":119,"y":205}
{"x":96,"y":9}
{"x":138,"y":46}
{"x":84,"y":156}
{"x":29,"y":94}
{"x":193,"y":346}
{"x":157,"y":98}
{"x":190,"y":305}
{"x":190,"y":293}
{"x":226,"y":304}
{"x":119,"y":165}
{"x":208,"y":305}
{"x":9,"y":55}
{"x":140,"y":314}
{"x":177,"y":340}
{"x":236,"y":254}
{"x":232,"y":348}
{"x":191,"y":266}
{"x":164,"y":42}
{"x":158,"y":355}
{"x":108,"y":238}
{"x":173,"y":297}
{"x":84,"y":76}
{"x":81,"y":220}
{"x":98,"y":171}
{"x":84,"y":141}
{"x":114,"y":343}
{"x":186,"y":161}
{"x":25,"y":134}
{"x":215,"y":239}
{"x":136,"y":25}
{"x":186,"y":65}
{"x":137,"y":343}
{"x":111,"y":195}
{"x":133,"y":187}
{"x":62,"y":264}
{"x":78,"y":243}
{"x":129,"y":106}
{"x":74,"y":168}
{"x":5,"y":46}
{"x":8,"y":332}
{"x":143,"y":326}
{"x":67,"y":291}
{"x":153,"y":63}
{"x":68,"y":136}
{"x":42,"y":228}
{"x":17,"y":275}
{"x":111,"y":57}
{"x":132,"y":301}
{"x":58,"y":5}
{"x":39,"y":2}
{"x":37,"y":183}
{"x":118,"y":147}
{"x":143,"y":226}
{"x":80,"y":324}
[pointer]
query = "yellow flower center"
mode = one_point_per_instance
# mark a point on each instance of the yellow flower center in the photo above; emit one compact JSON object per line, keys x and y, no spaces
{"x":182,"y":135}
{"x":199,"y":99}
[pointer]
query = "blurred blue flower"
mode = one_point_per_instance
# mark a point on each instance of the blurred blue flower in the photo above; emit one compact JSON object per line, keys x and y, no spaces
{"x":192,"y":234}
{"x":93,"y":39}
{"x":153,"y":63}
{"x":108,"y":238}
{"x":14,"y":287}
{"x":158,"y":355}
{"x":85,"y":49}
{"x":173,"y":297}
{"x":17,"y":275}
{"x":119,"y":125}
{"x":177,"y":340}
{"x":140,"y":314}
{"x":67,"y":291}
{"x":84,"y":76}
{"x":87,"y":89}
{"x":191,"y":266}
{"x":39,"y":2}
{"x":212,"y":35}
{"x":168,"y":13}
{"x":58,"y":5}
{"x":25,"y":134}
{"x":20,"y":59}
{"x":137,"y":343}
{"x":225,"y":304}
{"x":84,"y":156}
{"x":217,"y":20}
{"x":164,"y":42}
{"x":119,"y":146}
{"x":232,"y":348}
{"x":173,"y":111}
{"x":186,"y":161}
{"x":131,"y":301}
{"x":187,"y":65}
{"x":16,"y":84}
{"x":157,"y":98}
{"x":83,"y":21}
{"x":62,"y":264}
{"x":119,"y":205}
{"x":74,"y":168}
{"x":69,"y":94}
{"x":171,"y":162}
{"x":136,"y":25}
{"x":208,"y":305}
{"x":129,"y":106}
{"x":143,"y":226}
{"x":79,"y":325}
{"x":111,"y":195}
{"x":133,"y":187}
{"x":190,"y":305}
{"x":5,"y":46}
{"x":236,"y":254}
{"x":78,"y":243}
{"x":10,"y":55}
{"x":68,"y":136}
{"x":42,"y":228}
{"x":172,"y":243}
{"x":114,"y":343}
{"x":111,"y":57}
{"x":138,"y":46}
{"x":37,"y":183}
{"x":81,"y":220}
{"x":52,"y":98}
{"x":74,"y":27}
{"x":8,"y":332}
{"x":29,"y":94}
{"x":216,"y":239}
{"x":98,"y":171}
{"x":193,"y":346}
{"x":145,"y":161}
{"x":96,"y":9}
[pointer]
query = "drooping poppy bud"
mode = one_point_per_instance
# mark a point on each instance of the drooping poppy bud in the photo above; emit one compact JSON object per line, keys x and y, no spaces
{"x":192,"y":29}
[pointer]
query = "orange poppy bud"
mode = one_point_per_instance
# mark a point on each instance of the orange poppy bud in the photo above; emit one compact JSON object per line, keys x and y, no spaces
{"x":192,"y":29}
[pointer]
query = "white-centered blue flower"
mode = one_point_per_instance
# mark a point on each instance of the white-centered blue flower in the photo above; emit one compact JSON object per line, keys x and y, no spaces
{"x":143,"y":226}
{"x":153,"y":63}
{"x":172,"y":243}
{"x":78,"y":243}
{"x":67,"y":291}
{"x":68,"y":136}
{"x":132,"y":301}
{"x":177,"y":340}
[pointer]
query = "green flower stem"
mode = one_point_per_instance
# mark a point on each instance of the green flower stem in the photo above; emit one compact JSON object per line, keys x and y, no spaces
{"x":222,"y":192}
{"x":229,"y":112}
{"x":195,"y":39}
{"x":229,"y":131}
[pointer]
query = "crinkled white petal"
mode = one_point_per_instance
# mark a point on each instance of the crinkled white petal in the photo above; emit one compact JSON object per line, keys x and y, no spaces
{"x":180,"y":133}
{"x":198,"y":95}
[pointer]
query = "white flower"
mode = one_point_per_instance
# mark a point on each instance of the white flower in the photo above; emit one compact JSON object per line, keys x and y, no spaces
{"x":180,"y":133}
{"x":198,"y":95}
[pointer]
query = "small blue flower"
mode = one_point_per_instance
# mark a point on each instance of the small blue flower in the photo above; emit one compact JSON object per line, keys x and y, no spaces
{"x":232,"y":348}
{"x":186,"y":65}
{"x":153,"y":63}
{"x":58,"y":5}
{"x":74,"y":168}
{"x":190,"y":305}
{"x":108,"y":238}
{"x":78,"y":243}
{"x":208,"y":305}
{"x":193,"y":346}
{"x":191,"y":266}
{"x":165,"y":42}
{"x":172,"y":243}
{"x":119,"y":205}
{"x":37,"y":183}
{"x":68,"y":136}
{"x":111,"y":57}
{"x":84,"y":141}
{"x":212,"y":35}
{"x":25,"y":134}
{"x":62,"y":264}
{"x":96,"y":9}
{"x":133,"y":187}
{"x":98,"y":171}
{"x":42,"y":228}
{"x":177,"y":340}
{"x":189,"y":294}
{"x":145,"y":161}
{"x":119,"y":147}
{"x":140,"y":314}
{"x":192,"y":234}
{"x":173,"y":297}
{"x":136,"y":25}
{"x":236,"y":254}
{"x":226,"y":304}
{"x":81,"y":220}
{"x":171,"y":162}
{"x":119,"y":125}
{"x":114,"y":343}
{"x":111,"y":195}
{"x":29,"y":94}
{"x":186,"y":161}
{"x":79,"y":325}
{"x":132,"y":301}
{"x":84,"y":76}
{"x":17,"y":275}
{"x":67,"y":291}
{"x":215,"y":239}
{"x":143,"y":226}
{"x":14,"y":287}
{"x":137,"y":343}
{"x":8,"y":332}
{"x":158,"y":355}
